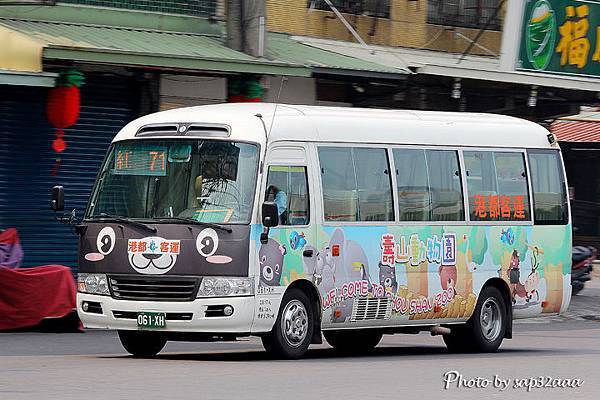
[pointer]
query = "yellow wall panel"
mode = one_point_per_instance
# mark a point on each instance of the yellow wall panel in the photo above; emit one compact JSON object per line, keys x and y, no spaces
{"x":19,"y":52}
{"x":406,"y":27}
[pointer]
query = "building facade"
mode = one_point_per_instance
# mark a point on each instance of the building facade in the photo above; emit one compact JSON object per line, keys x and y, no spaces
{"x":130,"y":58}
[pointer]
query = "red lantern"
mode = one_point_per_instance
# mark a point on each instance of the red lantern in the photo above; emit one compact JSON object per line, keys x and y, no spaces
{"x":63,"y":105}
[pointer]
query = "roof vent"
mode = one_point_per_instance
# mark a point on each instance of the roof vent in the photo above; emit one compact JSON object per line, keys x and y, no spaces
{"x":208,"y":130}
{"x":157,"y":130}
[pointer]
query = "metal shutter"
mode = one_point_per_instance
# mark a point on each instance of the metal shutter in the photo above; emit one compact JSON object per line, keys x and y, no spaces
{"x":27,"y":161}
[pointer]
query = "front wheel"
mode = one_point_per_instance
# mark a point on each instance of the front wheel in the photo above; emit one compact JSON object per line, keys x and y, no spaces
{"x":353,"y":342}
{"x":294,"y":327}
{"x":485,"y":329}
{"x":142,"y":344}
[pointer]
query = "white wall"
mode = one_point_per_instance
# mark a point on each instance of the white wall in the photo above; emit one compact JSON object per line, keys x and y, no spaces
{"x":294,"y":90}
{"x":186,"y":90}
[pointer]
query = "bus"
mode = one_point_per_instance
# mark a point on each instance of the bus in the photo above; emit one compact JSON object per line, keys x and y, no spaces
{"x":293,"y":223}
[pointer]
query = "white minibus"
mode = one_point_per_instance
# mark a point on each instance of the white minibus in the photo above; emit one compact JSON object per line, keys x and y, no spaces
{"x":294,"y":223}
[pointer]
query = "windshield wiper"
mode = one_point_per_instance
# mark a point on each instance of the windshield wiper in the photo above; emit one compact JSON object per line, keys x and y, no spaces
{"x":117,"y":218}
{"x":195,"y":222}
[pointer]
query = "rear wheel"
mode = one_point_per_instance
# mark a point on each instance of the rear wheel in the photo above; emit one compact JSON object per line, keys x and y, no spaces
{"x":294,"y":327}
{"x":353,"y":342}
{"x":142,"y":344}
{"x":485,"y":329}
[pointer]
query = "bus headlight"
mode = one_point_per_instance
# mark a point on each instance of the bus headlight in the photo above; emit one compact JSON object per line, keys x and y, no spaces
{"x":221,"y":286}
{"x":92,"y":283}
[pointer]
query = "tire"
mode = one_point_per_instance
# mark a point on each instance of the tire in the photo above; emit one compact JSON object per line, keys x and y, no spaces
{"x":458,"y":341}
{"x":142,"y":344}
{"x":353,"y":342}
{"x":293,"y":329}
{"x":485,"y":329}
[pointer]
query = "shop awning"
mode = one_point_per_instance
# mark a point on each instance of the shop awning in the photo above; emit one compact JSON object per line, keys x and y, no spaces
{"x":284,"y":48}
{"x":576,"y":131}
{"x":41,"y":79}
{"x":437,"y":63}
{"x":140,"y":47}
{"x":179,"y":50}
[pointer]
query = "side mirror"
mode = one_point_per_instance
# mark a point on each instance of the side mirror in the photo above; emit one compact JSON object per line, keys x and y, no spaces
{"x":270,"y":216}
{"x":58,"y":198}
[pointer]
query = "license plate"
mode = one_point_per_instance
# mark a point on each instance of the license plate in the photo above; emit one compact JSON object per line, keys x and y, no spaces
{"x":151,"y":320}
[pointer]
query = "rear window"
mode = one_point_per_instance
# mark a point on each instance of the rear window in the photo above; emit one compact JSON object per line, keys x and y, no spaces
{"x":548,"y":182}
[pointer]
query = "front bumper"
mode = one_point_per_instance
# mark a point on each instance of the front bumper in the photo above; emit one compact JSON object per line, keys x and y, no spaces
{"x":117,"y":314}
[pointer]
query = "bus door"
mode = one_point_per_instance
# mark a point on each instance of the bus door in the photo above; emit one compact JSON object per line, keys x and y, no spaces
{"x":288,"y":253}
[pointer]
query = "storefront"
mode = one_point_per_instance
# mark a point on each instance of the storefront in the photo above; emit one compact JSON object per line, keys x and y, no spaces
{"x":159,"y":61}
{"x":580,"y":142}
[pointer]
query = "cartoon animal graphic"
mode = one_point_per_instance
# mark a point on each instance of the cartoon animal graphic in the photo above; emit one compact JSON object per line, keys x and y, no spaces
{"x":507,"y":237}
{"x":310,"y":263}
{"x":270,"y":257}
{"x":297,"y":240}
{"x":532,"y":282}
{"x":147,"y":257}
{"x":330,"y":271}
{"x":471,"y":266}
{"x":364,"y":273}
{"x":514,"y":277}
{"x":325,"y":270}
{"x":448,"y":275}
{"x":387,"y":278}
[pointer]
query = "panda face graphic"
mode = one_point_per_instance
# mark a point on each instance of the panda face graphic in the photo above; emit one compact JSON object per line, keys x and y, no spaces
{"x":152,"y":255}
{"x":105,"y":244}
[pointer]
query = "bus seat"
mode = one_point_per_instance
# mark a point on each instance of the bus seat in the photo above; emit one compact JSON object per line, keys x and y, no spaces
{"x":197,"y":190}
{"x":414,"y":205}
{"x":547,"y":206}
{"x":340,"y":206}
{"x":297,"y":211}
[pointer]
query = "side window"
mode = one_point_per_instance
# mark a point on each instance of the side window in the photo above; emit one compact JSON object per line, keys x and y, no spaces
{"x":356,"y":184}
{"x":374,"y":185}
{"x":287,"y":186}
{"x":497,"y":186}
{"x":445,"y":186}
{"x":340,"y":197}
{"x":429,"y":187}
{"x":549,"y":194}
{"x":413,"y":184}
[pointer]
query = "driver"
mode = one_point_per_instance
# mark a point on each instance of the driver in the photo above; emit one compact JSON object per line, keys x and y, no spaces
{"x":280,"y":199}
{"x":196,"y":203}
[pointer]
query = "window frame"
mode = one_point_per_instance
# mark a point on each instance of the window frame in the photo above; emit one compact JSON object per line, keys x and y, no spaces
{"x":368,"y":10}
{"x":457,"y":151}
{"x":523,"y":152}
{"x":466,"y":221}
{"x":306,"y":162}
{"x":308,"y":192}
{"x":437,"y":15}
{"x":390,"y":163}
{"x":564,"y":183}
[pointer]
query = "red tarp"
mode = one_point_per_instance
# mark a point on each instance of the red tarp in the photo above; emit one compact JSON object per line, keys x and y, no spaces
{"x":28,"y":295}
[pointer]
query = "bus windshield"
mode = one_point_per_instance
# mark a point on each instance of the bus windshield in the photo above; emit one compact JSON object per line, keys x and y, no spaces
{"x":202,"y":180}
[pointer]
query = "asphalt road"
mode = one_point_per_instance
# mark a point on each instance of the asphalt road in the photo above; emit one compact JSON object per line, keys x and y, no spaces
{"x":92,"y":365}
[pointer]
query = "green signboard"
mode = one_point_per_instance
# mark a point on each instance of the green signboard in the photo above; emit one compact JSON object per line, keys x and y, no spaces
{"x":561,"y":36}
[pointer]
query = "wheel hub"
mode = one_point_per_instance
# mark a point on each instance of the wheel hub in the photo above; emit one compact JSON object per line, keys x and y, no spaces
{"x":490,"y":319}
{"x":294,"y":323}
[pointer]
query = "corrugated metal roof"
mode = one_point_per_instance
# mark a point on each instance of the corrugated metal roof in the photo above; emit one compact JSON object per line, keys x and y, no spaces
{"x":576,"y":131}
{"x":136,"y":46}
{"x":284,"y":48}
{"x":132,"y":44}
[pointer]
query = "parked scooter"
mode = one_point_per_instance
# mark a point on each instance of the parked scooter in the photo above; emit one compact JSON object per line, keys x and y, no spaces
{"x":581,"y":270}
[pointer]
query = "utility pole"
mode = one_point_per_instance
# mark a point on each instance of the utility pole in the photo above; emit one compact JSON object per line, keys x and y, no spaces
{"x":247,"y":26}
